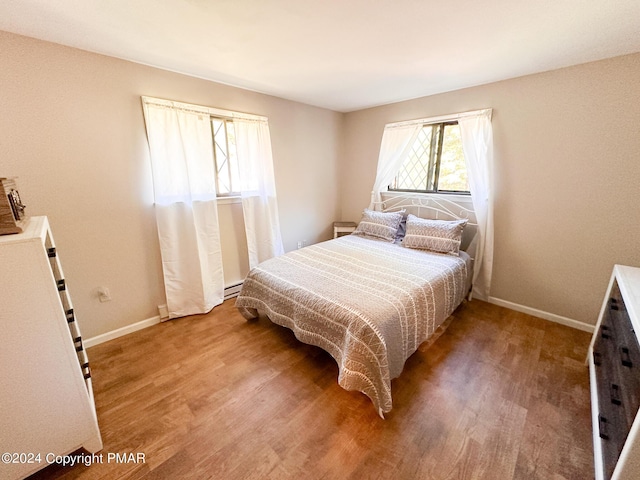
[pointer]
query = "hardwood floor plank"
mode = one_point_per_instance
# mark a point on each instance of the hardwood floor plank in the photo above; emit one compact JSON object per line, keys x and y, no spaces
{"x":499,"y":395}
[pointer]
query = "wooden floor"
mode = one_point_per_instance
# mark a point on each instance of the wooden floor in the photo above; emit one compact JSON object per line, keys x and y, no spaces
{"x":500,"y":395}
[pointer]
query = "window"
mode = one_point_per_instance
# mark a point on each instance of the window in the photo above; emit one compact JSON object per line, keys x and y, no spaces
{"x":225,"y":158}
{"x":435,"y":163}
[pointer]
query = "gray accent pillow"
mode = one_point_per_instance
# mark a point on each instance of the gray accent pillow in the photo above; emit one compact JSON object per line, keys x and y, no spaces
{"x":382,"y":225}
{"x":440,"y":236}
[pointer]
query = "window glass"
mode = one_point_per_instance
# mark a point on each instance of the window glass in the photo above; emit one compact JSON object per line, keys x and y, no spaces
{"x":453,"y":171}
{"x":224,"y":153}
{"x":435,"y":162}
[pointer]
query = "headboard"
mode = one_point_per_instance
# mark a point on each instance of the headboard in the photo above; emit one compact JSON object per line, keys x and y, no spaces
{"x":438,"y":207}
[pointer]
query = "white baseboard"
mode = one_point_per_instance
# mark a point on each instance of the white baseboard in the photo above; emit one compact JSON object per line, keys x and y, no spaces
{"x":229,"y":292}
{"x":569,"y":322}
{"x":119,"y":332}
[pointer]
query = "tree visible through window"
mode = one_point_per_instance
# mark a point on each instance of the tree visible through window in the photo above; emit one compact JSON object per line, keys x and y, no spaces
{"x":435,"y":163}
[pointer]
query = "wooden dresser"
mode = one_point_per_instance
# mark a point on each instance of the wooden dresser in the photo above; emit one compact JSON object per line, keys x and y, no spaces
{"x":614,"y":371}
{"x":46,"y":399}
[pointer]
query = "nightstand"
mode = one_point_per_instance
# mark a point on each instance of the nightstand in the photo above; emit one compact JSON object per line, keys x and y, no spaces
{"x":343,"y":228}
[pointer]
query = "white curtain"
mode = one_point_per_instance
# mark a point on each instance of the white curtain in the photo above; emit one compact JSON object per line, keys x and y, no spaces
{"x":397,"y":141}
{"x":258,"y":189}
{"x":477,"y":145}
{"x":181,"y":150}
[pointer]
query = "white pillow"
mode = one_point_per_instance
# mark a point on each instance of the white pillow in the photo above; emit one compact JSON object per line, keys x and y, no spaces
{"x":382,"y":225}
{"x":440,"y":236}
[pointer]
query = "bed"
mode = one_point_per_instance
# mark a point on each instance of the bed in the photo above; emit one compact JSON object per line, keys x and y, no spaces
{"x":369,"y":300}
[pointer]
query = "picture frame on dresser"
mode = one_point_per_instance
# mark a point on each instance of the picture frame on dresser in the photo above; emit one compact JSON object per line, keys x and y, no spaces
{"x":12,"y":210}
{"x":614,"y":374}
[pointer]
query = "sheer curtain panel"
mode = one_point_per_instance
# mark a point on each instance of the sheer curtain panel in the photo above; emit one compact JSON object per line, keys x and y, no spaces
{"x":397,"y":140}
{"x":258,"y":189}
{"x":181,"y":151}
{"x":477,"y":144}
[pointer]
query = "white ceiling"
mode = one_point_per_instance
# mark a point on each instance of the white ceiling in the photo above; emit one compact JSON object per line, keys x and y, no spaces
{"x":339,"y":54}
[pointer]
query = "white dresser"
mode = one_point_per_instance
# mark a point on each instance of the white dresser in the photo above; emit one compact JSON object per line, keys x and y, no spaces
{"x":614,"y":371}
{"x":46,"y":398}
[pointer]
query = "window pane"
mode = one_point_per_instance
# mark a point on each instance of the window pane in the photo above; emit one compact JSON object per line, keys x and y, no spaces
{"x":233,"y":159}
{"x":221,"y":156}
{"x":417,"y":173}
{"x":453,"y":171}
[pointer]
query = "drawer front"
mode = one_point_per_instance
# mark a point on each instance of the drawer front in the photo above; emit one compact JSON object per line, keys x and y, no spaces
{"x":67,"y":306}
{"x":611,"y":415}
{"x":627,"y":357}
{"x":617,"y":358}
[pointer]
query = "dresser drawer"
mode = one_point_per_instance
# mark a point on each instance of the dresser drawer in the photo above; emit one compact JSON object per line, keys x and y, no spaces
{"x":626,"y":357}
{"x":612,"y":424}
{"x":616,"y":359}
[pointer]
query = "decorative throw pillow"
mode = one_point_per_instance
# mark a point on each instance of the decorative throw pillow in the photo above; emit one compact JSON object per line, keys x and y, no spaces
{"x":441,"y":236}
{"x":383,"y":225}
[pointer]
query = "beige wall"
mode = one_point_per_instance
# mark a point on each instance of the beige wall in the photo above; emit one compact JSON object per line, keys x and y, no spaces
{"x":72,"y":131}
{"x":567,"y":147}
{"x":567,"y":177}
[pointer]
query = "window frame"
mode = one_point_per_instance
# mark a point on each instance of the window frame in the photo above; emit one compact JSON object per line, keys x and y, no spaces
{"x":434,"y":163}
{"x":225,"y":121}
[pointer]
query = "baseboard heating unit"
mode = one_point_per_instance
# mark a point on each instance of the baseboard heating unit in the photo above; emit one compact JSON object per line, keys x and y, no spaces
{"x":232,"y":291}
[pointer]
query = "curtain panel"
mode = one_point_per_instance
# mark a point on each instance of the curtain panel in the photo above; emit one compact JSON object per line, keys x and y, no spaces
{"x":258,"y":190}
{"x":397,"y":141}
{"x":477,"y":145}
{"x":181,"y":152}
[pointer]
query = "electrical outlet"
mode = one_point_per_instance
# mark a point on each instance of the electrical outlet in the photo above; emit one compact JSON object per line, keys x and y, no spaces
{"x":299,"y":243}
{"x":164,"y":312}
{"x":103,"y":294}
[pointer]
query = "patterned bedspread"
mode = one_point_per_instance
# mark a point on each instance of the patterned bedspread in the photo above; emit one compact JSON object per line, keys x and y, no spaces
{"x":368,"y":303}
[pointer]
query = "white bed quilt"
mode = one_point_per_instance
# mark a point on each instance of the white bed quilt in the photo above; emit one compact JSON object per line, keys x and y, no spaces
{"x":368,"y":303}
